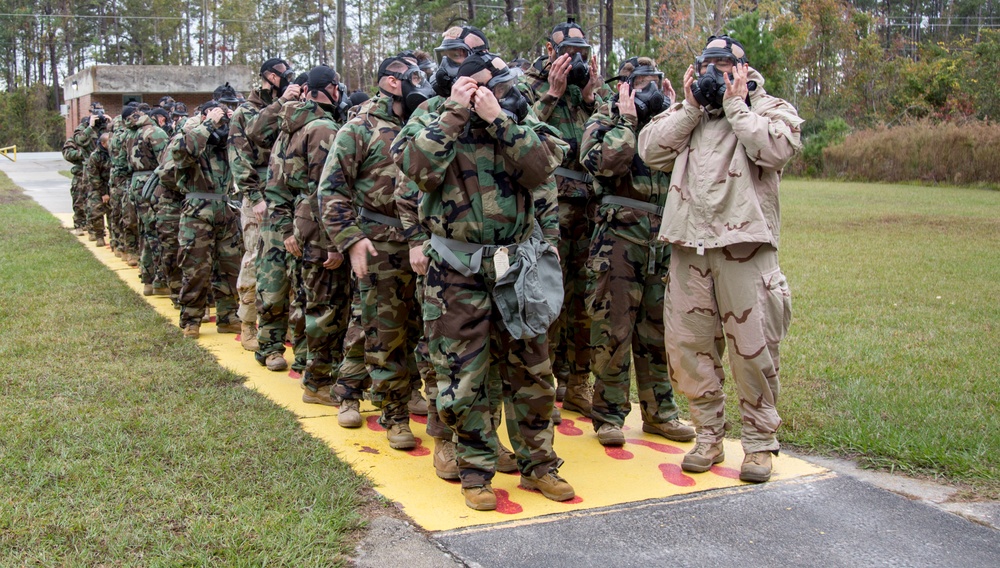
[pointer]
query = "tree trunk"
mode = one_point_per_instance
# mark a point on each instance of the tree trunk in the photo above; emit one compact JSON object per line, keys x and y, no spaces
{"x":609,"y":31}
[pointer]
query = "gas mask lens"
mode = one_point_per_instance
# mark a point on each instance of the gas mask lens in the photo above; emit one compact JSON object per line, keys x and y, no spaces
{"x":571,"y":50}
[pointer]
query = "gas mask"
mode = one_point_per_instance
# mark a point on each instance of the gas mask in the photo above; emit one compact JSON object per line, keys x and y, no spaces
{"x":415,"y":89}
{"x":219,"y":135}
{"x":453,"y":53}
{"x":578,"y":50}
{"x":284,"y":81}
{"x":512,"y":102}
{"x":709,"y":87}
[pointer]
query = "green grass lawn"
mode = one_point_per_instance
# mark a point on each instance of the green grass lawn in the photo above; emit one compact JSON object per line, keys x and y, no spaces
{"x":122,"y":443}
{"x":894,"y":351}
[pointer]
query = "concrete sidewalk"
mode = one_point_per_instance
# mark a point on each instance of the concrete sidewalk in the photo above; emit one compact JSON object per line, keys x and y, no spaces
{"x":846,"y":517}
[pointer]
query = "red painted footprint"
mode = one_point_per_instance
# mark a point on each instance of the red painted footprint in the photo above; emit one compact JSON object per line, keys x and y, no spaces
{"x":294,"y":375}
{"x":373,"y":425}
{"x":585,"y":420}
{"x":673,"y":474}
{"x":725,"y":472}
{"x":418,"y":419}
{"x":420,"y":450}
{"x":567,"y":428}
{"x":618,"y":453}
{"x":369,"y":450}
{"x":239,"y":337}
{"x":504,"y":505}
{"x":662,"y":448}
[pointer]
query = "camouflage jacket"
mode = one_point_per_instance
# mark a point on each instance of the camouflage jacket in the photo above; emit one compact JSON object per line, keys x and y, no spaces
{"x":291,"y":187}
{"x":99,"y":171}
{"x":120,"y":167}
{"x":245,"y":157}
{"x":408,"y":193}
{"x":360,"y":173}
{"x":608,"y":152}
{"x":74,"y":153}
{"x":264,"y":129}
{"x":144,"y":147}
{"x":725,"y":170}
{"x":479,"y":184}
{"x":200,"y":168}
{"x":568,"y":114}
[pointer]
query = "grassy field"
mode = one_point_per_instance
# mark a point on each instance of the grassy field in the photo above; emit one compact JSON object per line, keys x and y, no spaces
{"x":894,"y":351}
{"x":122,"y":443}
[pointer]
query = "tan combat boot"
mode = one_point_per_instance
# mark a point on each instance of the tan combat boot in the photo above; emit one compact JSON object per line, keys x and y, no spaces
{"x":480,"y":498}
{"x":248,"y":336}
{"x":506,"y":461}
{"x":118,"y":253}
{"x":91,"y":237}
{"x":231,"y":327}
{"x":417,"y":405}
{"x":610,"y":435}
{"x":276,"y":362}
{"x":321,"y":396}
{"x":401,"y":437}
{"x":703,"y":457}
{"x":131,"y":260}
{"x":349,"y":415}
{"x":100,"y":242}
{"x":579,"y":395}
{"x":445,"y":462}
{"x":161,"y":291}
{"x":673,"y":430}
{"x":756,"y":467}
{"x":147,"y":289}
{"x":193,"y":331}
{"x":551,"y":485}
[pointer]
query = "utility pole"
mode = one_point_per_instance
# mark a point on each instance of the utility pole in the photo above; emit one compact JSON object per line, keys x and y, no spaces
{"x":341,"y":29}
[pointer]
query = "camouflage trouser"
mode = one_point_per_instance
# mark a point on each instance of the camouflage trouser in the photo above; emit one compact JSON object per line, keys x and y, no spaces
{"x":78,"y":193}
{"x":130,"y":222}
{"x":208,"y":235}
{"x":353,"y":376}
{"x":435,"y":427}
{"x":571,"y":332}
{"x":97,"y":209}
{"x":280,"y":299}
{"x":115,"y":215}
{"x":246,"y":283}
{"x":624,"y":298}
{"x":737,"y":293}
{"x":390,"y":319}
{"x":150,"y":265}
{"x":168,"y":220}
{"x":466,"y":338}
{"x":326,"y":315}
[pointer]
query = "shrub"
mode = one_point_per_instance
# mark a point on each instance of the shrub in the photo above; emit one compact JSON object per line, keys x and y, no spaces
{"x":27,"y":123}
{"x":816,"y":136}
{"x":952,"y":153}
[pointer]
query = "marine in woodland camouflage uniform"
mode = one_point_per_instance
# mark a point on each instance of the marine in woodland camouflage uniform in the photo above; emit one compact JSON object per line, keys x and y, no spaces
{"x":359,"y":212}
{"x":494,"y":206}
{"x":120,"y":173}
{"x":209,"y":235}
{"x":564,"y":97}
{"x":627,"y":263}
{"x":98,"y":180}
{"x":726,"y":152}
{"x":276,"y":269}
{"x":248,"y":162}
{"x":143,"y":149}
{"x":294,"y":213}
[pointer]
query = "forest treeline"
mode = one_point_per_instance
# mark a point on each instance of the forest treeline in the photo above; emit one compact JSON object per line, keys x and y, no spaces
{"x":846,"y":65}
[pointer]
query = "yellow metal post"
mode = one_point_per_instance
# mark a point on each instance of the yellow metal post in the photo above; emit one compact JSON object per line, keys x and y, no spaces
{"x":4,"y":152}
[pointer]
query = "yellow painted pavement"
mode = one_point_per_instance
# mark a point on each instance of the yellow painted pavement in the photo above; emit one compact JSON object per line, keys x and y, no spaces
{"x":647,"y":467}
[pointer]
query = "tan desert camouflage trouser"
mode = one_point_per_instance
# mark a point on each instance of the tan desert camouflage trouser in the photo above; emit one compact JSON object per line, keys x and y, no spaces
{"x":246,"y":282}
{"x":736,"y":295}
